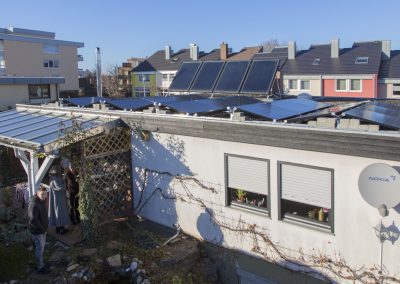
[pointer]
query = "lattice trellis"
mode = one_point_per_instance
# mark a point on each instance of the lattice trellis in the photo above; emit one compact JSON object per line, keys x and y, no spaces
{"x":107,"y":160}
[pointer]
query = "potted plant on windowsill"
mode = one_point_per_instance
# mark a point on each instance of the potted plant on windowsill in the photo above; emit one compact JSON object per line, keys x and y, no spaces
{"x":240,"y":195}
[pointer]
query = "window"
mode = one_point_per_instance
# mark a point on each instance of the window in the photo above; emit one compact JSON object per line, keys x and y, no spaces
{"x":141,"y":92}
{"x":362,"y":60}
{"x":51,"y":63}
{"x":165,"y":77}
{"x":316,"y":61}
{"x":50,"y":48}
{"x":348,"y":85}
{"x":171,"y":77}
{"x":396,"y":89}
{"x":247,"y":183}
{"x":341,"y":85}
{"x":293,"y":84}
{"x":305,"y":85}
{"x":143,"y":77}
{"x":39,"y":91}
{"x":2,"y":60}
{"x":306,"y":195}
{"x":355,"y":85}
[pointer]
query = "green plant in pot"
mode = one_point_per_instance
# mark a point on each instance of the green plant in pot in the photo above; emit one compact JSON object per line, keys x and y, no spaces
{"x":240,"y":194}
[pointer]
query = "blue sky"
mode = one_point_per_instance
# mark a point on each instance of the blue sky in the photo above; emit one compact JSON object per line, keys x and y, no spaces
{"x":138,"y":28}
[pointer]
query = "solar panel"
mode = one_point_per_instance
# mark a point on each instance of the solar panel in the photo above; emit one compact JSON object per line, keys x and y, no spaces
{"x":232,"y":76}
{"x":384,"y":114}
{"x":163,"y":99}
{"x":209,"y":105}
{"x":282,"y":109}
{"x":260,"y":77}
{"x":131,"y":104}
{"x":207,"y":76}
{"x":185,"y":75}
{"x":85,"y":101}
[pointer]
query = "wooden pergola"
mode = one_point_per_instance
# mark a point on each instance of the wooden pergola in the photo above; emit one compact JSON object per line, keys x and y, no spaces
{"x":32,"y":132}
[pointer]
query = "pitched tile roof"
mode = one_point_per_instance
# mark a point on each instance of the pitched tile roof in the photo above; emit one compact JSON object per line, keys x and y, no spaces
{"x":246,"y":53}
{"x":345,"y":64}
{"x":278,"y":53}
{"x":157,"y":61}
{"x":390,"y":69}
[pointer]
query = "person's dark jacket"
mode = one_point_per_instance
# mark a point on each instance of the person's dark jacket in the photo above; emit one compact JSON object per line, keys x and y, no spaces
{"x":38,"y":219}
{"x":71,"y":182}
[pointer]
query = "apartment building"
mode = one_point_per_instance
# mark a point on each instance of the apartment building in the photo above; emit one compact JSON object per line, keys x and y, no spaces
{"x":124,"y":73}
{"x":33,"y":53}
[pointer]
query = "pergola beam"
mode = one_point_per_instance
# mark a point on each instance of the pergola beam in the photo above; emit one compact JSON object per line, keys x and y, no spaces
{"x":33,"y":171}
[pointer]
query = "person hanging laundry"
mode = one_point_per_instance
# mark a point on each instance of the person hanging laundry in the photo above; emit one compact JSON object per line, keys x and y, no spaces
{"x":72,"y":186}
{"x":58,"y":208}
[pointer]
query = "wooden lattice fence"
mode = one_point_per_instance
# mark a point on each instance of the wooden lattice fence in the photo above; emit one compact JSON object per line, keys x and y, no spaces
{"x":106,"y":160}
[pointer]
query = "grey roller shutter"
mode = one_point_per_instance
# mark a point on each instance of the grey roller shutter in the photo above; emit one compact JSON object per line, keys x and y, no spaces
{"x":306,"y":185}
{"x":248,"y":174}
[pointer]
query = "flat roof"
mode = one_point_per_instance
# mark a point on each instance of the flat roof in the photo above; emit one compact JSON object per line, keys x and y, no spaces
{"x":32,"y":36}
{"x":21,"y":80}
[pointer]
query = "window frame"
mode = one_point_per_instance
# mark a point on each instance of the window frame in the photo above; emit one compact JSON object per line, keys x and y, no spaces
{"x":303,"y":221}
{"x":244,"y":207}
{"x":55,"y":51}
{"x":140,"y":76}
{"x":336,"y":85}
{"x":41,"y":86}
{"x":361,"y":60}
{"x":355,"y":91}
{"x":316,"y":61}
{"x":393,"y":90}
{"x":309,"y":85}
{"x":55,"y":63}
{"x":297,"y":84}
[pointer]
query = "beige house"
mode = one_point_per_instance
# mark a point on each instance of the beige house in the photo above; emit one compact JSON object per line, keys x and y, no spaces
{"x":31,"y":53}
{"x":28,"y":90}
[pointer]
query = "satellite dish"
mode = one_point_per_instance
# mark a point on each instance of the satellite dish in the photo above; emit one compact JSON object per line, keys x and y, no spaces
{"x":379,"y":184}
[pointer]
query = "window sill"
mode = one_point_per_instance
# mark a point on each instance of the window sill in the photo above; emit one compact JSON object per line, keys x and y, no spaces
{"x":249,"y":208}
{"x":306,"y":222}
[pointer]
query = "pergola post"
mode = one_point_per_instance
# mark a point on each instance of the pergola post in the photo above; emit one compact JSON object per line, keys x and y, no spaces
{"x":33,"y":171}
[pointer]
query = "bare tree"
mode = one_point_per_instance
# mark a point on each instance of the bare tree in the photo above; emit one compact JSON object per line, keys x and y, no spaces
{"x":269,"y":45}
{"x":110,"y":82}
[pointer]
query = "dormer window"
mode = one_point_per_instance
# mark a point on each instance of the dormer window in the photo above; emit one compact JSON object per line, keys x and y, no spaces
{"x":362,"y":60}
{"x":316,"y":61}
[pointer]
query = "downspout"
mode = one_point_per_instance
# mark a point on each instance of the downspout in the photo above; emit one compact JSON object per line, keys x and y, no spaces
{"x":321,"y":87}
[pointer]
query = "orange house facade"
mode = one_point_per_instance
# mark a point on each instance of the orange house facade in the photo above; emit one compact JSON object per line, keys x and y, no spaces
{"x":364,"y":86}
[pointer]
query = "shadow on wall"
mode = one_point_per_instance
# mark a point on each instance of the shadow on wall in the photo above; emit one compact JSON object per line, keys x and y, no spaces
{"x":208,"y":229}
{"x":153,"y":186}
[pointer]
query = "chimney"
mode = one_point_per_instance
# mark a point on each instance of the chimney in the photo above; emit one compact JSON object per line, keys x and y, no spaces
{"x":194,"y":51}
{"x":168,"y":52}
{"x":335,"y":48}
{"x":223,"y":51}
{"x":386,"y":47}
{"x":291,"y":50}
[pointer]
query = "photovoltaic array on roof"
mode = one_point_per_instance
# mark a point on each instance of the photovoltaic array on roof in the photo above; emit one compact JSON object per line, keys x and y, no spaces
{"x":235,"y":77}
{"x":260,"y":77}
{"x":85,"y":101}
{"x":282,"y":109}
{"x":209,"y":105}
{"x":232,"y":77}
{"x":207,"y":76}
{"x":131,"y":104}
{"x":185,"y":76}
{"x":384,"y":114}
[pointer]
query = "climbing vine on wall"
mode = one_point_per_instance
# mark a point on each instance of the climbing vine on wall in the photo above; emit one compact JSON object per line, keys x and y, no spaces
{"x":329,"y":268}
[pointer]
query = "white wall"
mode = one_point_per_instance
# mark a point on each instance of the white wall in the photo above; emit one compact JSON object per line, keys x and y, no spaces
{"x":315,"y":85}
{"x":354,"y":237}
